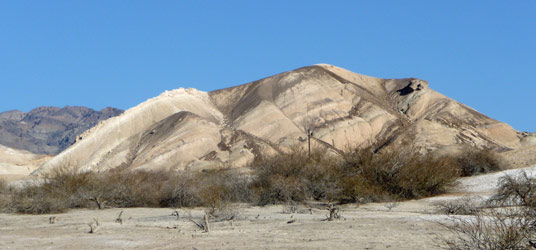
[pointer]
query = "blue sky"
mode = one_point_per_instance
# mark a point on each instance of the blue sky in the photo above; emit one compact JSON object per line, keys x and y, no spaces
{"x":120,"y":53}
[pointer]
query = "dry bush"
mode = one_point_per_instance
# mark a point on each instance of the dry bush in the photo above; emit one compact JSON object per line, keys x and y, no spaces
{"x":362,"y":174}
{"x":181,"y":191}
{"x":464,"y":206}
{"x":3,"y":186}
{"x":479,"y":161}
{"x":294,"y":177}
{"x":214,"y":188}
{"x":4,"y":196}
{"x":509,"y":224}
{"x":130,"y":188}
{"x":395,"y":173}
{"x":63,"y":189}
{"x":35,"y":199}
{"x":517,"y":190}
{"x":507,"y":228}
{"x":55,"y":194}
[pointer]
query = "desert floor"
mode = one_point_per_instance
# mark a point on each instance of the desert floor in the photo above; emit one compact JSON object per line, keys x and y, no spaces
{"x":407,"y":225}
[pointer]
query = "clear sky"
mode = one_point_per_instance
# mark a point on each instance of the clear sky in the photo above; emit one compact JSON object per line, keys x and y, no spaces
{"x":120,"y":53}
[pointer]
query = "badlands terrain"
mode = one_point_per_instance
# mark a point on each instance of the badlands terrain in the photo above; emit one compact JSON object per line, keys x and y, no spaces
{"x":192,"y":129}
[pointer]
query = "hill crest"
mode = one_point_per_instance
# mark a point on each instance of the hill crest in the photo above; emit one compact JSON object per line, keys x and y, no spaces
{"x":188,"y":128}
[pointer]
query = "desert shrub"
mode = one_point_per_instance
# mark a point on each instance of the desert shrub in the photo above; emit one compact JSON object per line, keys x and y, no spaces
{"x":3,"y":195}
{"x":464,"y":206}
{"x":517,"y":190}
{"x":3,"y":186}
{"x":361,"y":174}
{"x":55,"y":193}
{"x":214,"y":188}
{"x":394,"y":174}
{"x":475,"y":161}
{"x":507,"y":228}
{"x":35,"y":199}
{"x":131,"y":188}
{"x":508,"y":223}
{"x":294,"y":177}
{"x":63,"y":189}
{"x":181,"y":191}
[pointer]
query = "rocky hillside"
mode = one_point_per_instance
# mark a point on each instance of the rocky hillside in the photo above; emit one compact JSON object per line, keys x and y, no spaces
{"x":48,"y":130}
{"x":188,"y":128}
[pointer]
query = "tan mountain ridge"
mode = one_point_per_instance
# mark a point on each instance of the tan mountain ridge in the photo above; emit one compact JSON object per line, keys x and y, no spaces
{"x":188,"y":128}
{"x":16,"y":163}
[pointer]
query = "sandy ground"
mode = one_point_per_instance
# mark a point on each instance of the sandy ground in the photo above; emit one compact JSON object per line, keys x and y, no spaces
{"x":407,"y":225}
{"x":366,"y":227}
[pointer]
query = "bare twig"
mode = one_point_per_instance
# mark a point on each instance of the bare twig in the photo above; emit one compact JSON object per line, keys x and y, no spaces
{"x":119,"y":220}
{"x":204,"y":225}
{"x":94,"y":226}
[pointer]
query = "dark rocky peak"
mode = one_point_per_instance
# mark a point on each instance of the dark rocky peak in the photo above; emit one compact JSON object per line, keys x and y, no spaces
{"x":49,"y":130}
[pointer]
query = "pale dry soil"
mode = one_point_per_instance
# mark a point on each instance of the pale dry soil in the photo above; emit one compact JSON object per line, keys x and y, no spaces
{"x":407,"y":225}
{"x":366,"y":227}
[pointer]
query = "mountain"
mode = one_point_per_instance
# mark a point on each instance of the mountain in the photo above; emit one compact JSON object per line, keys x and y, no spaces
{"x":19,"y":162}
{"x":48,"y":130}
{"x":188,"y":128}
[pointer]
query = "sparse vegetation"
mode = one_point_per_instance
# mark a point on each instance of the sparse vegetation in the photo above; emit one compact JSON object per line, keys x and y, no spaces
{"x":509,"y":222}
{"x":3,"y":186}
{"x":62,"y":190}
{"x":295,"y":177}
{"x":474,"y":162}
{"x":464,"y":206}
{"x":4,"y":194}
{"x":508,"y":228}
{"x":394,"y":174}
{"x":363,"y":175}
{"x":518,"y":190}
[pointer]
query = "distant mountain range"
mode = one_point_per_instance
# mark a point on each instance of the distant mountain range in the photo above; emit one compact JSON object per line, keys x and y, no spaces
{"x":49,"y":130}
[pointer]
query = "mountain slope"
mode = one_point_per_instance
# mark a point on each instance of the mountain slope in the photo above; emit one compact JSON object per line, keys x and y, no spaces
{"x":19,"y":162}
{"x":187,"y":128}
{"x":48,"y":130}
